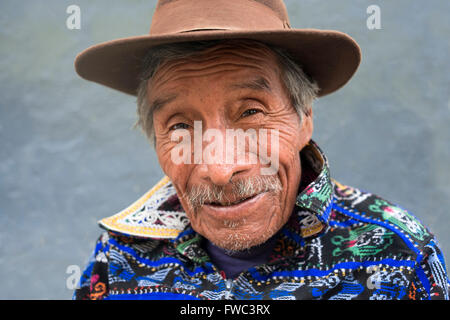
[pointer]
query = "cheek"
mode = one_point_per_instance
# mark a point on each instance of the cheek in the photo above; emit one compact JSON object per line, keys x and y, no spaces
{"x":293,"y":138}
{"x":290,"y":145}
{"x":163,"y":152}
{"x":173,"y":149}
{"x":177,"y":173}
{"x":290,"y":170}
{"x":289,"y":157}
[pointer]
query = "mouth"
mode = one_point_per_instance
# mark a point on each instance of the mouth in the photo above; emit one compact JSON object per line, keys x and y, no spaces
{"x":237,"y":209}
{"x":231,"y":203}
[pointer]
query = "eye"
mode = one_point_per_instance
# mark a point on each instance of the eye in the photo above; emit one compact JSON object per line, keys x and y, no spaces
{"x":249,"y":112}
{"x":179,"y":125}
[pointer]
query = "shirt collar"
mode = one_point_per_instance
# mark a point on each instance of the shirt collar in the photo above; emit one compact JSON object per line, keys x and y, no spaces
{"x":159,"y":215}
{"x":314,"y":201}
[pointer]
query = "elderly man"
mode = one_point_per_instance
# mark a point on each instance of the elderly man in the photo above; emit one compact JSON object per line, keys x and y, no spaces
{"x":247,"y":209}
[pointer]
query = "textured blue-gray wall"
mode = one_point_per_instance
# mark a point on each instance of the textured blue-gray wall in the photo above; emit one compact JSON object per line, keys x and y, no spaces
{"x":69,"y":155}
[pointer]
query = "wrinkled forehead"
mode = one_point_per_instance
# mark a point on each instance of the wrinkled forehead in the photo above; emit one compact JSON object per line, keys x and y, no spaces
{"x":235,"y":57}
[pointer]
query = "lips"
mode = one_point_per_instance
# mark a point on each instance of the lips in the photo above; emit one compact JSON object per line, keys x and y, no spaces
{"x":230,"y":203}
{"x":235,"y":210}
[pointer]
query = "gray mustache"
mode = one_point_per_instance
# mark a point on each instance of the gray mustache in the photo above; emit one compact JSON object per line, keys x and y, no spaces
{"x":198,"y":195}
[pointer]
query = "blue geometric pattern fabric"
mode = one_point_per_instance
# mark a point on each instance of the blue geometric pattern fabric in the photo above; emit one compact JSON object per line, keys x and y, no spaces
{"x":340,"y":243}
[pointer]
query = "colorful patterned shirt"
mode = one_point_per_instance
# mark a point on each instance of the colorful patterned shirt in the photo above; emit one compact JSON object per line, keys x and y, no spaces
{"x":339,"y":243}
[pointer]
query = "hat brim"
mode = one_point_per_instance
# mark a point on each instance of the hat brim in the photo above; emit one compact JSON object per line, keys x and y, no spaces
{"x":329,"y":57}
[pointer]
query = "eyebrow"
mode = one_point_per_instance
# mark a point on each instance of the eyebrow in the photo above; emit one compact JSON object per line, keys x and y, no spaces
{"x":160,"y":102}
{"x":259,"y":84}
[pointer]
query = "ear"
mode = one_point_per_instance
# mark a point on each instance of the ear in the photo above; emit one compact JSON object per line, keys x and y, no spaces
{"x":307,"y":128}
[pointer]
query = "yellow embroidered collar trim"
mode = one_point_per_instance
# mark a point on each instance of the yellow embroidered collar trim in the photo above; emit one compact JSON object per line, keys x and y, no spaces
{"x":143,"y":219}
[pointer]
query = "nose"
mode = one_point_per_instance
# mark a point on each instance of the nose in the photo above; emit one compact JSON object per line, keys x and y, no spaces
{"x":221,"y":174}
{"x":225,"y":165}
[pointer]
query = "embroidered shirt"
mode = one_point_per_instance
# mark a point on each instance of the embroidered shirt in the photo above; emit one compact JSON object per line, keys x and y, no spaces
{"x":339,"y":243}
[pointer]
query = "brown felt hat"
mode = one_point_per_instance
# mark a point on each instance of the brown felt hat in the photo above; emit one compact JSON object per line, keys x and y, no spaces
{"x":329,"y":57}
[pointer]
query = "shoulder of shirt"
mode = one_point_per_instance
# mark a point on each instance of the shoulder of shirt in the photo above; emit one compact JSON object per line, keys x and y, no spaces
{"x":112,"y":246}
{"x":372,"y":209}
{"x":146,"y":219}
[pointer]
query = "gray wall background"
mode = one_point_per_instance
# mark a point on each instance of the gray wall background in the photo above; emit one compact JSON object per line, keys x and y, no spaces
{"x":69,"y":155}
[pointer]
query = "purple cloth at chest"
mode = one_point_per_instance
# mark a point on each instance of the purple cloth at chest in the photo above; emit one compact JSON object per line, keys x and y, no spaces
{"x":232,"y":264}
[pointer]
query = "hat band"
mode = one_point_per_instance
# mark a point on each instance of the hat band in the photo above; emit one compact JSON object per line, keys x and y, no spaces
{"x":198,"y":15}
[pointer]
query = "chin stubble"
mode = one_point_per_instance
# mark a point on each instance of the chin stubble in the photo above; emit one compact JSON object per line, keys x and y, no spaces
{"x":235,"y":240}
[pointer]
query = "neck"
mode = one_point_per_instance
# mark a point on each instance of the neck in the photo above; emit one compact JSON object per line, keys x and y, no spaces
{"x":235,"y":262}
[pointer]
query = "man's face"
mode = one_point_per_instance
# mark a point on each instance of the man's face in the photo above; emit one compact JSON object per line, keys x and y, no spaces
{"x":231,"y":203}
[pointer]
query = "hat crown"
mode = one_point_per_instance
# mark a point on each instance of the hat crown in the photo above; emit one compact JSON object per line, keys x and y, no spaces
{"x":179,"y":16}
{"x":329,"y":57}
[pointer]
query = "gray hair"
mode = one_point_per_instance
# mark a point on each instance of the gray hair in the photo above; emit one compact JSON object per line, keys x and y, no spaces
{"x":301,"y":89}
